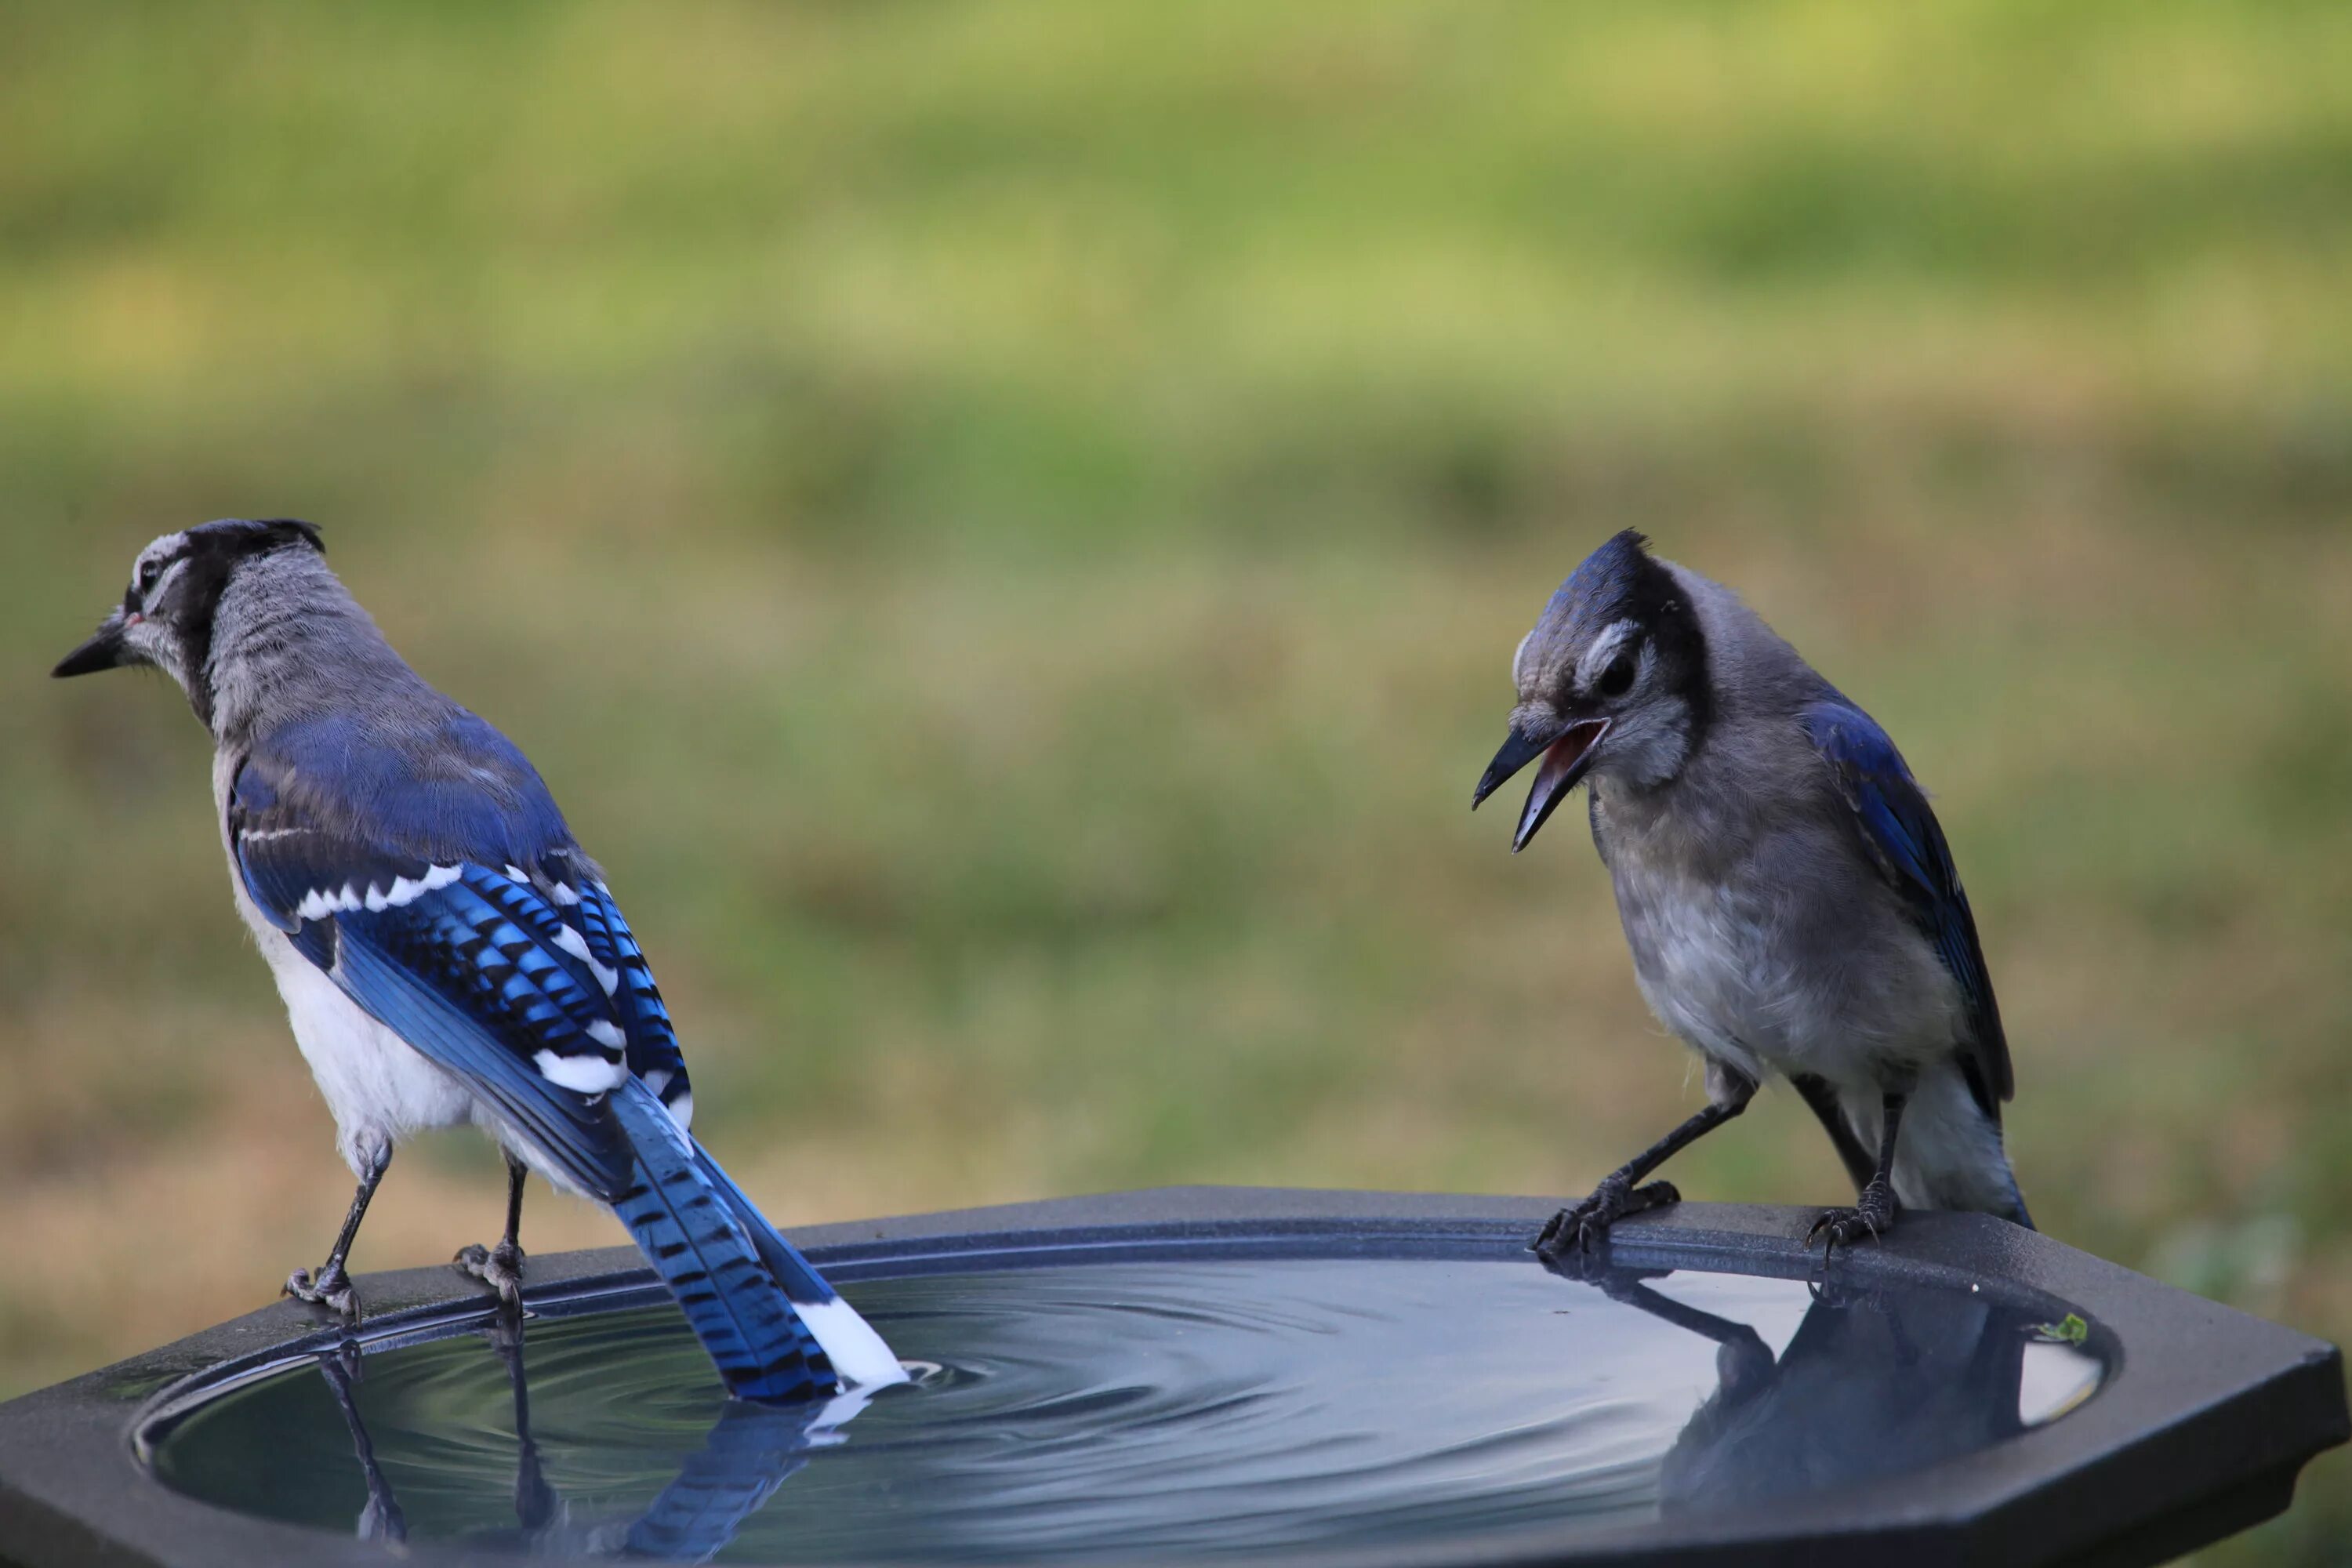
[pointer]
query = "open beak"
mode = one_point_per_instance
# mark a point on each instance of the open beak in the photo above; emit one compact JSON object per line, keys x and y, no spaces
{"x":104,"y":651}
{"x":1565,"y":758}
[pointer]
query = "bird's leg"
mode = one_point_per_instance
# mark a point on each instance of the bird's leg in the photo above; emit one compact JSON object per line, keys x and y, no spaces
{"x":1586,"y":1224}
{"x":501,"y":1267}
{"x":1874,"y":1213}
{"x":330,"y":1287}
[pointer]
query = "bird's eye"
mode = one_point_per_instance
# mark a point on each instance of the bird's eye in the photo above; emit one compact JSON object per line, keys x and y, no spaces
{"x":1618,"y":678}
{"x":146,"y":578}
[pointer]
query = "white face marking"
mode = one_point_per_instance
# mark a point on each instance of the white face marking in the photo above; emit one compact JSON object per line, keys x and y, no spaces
{"x":143,"y":638}
{"x":1603,"y":652}
{"x":586,"y":1075}
{"x":162,"y":588}
{"x":1519,"y":654}
{"x":159,"y":549}
{"x":153,"y":641}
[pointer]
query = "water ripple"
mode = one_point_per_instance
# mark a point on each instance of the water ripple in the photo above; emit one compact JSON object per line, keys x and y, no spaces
{"x":1119,"y":1410}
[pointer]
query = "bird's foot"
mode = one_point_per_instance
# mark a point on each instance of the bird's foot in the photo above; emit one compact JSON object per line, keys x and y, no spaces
{"x":1872,"y":1216}
{"x":1585,"y":1226}
{"x":331,"y":1290}
{"x":499,"y":1268}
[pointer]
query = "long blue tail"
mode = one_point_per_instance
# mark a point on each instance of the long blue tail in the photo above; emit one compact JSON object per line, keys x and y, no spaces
{"x":857,"y":1351}
{"x":687,"y":1227}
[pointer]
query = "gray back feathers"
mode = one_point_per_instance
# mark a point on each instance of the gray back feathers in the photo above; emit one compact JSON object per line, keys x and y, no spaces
{"x":290,"y":641}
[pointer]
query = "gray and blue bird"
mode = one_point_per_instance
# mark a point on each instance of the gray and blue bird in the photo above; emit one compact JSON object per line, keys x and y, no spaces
{"x":1788,"y":897}
{"x":447,"y":951}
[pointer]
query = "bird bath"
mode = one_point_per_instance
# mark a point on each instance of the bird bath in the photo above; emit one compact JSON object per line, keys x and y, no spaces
{"x":1246,"y":1376}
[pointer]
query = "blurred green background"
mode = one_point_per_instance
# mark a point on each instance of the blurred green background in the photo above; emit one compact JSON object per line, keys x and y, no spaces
{"x":1004,"y":526}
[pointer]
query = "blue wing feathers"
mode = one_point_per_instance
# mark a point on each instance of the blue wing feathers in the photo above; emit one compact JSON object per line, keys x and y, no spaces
{"x":653,"y":1051}
{"x":432,"y":877}
{"x":284,"y":855}
{"x":451,"y":788}
{"x":570,"y":1128}
{"x":452,"y":975}
{"x":1901,"y":834}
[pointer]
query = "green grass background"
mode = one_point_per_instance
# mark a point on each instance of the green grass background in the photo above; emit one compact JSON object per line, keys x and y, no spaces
{"x":1004,"y":526}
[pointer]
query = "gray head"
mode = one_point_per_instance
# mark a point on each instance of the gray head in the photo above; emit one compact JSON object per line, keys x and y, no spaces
{"x":1612,"y":682}
{"x":167,"y":615}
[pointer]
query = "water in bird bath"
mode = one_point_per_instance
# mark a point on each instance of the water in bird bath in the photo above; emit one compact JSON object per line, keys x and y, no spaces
{"x":1146,"y":1408}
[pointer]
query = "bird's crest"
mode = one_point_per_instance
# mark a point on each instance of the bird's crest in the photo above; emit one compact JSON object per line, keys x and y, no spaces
{"x":255,"y":535}
{"x":1605,"y":580}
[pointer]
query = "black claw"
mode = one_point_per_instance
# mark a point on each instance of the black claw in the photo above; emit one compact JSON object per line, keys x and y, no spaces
{"x":499,"y":1268}
{"x":331,"y":1290}
{"x":1872,"y":1217}
{"x":1585,"y":1226}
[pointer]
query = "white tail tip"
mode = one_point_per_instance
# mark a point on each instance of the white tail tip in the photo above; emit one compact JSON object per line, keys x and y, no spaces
{"x":859,"y":1355}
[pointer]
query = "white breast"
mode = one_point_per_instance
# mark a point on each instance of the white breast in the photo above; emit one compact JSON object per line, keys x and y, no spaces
{"x":378,"y":1087}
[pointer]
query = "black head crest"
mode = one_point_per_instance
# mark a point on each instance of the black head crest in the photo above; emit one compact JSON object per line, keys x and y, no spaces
{"x":255,"y":535}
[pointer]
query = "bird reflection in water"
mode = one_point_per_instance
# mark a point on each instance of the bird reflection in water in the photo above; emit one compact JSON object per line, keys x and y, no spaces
{"x":749,"y":1451}
{"x":1874,"y":1383}
{"x":1851,"y":1386}
{"x":381,"y":1519}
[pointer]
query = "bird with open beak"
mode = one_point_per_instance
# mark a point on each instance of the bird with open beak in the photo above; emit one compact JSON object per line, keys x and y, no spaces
{"x":1787,"y":896}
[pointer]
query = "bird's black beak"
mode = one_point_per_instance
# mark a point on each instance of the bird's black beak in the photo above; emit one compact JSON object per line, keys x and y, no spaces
{"x":104,"y":651}
{"x":1565,"y":758}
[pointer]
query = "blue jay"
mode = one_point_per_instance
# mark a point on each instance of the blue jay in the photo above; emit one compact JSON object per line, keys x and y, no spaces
{"x":446,"y":950}
{"x":1789,"y":898}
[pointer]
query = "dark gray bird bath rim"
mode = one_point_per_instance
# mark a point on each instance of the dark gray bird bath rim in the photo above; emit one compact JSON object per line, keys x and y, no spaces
{"x":2206,"y":1416}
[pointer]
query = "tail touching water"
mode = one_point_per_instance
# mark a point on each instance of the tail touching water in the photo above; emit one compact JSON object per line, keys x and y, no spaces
{"x":858,"y":1354}
{"x":511,"y":970}
{"x":772,"y":1326}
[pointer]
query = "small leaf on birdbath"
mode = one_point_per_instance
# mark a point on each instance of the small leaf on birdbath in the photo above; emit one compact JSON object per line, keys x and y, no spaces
{"x":2068,"y":1330}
